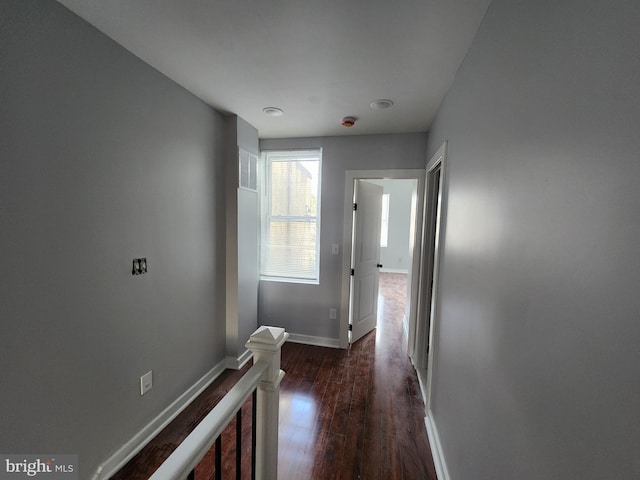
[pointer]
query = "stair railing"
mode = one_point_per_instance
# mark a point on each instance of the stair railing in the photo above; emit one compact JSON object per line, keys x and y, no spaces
{"x":263,"y":382}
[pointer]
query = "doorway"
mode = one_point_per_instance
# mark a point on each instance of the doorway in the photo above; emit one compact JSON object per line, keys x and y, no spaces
{"x":397,"y":226}
{"x":407,"y":264}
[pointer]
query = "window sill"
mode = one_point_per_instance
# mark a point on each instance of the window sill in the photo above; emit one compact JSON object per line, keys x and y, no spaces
{"x":289,"y":280}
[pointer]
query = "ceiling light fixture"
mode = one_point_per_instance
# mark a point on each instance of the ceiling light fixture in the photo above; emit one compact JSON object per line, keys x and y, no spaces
{"x":381,"y":104}
{"x":273,"y":111}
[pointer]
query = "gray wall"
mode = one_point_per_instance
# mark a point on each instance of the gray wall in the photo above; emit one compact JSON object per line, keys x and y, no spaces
{"x":538,"y":357}
{"x":304,"y":309}
{"x":102,"y":159}
{"x":396,"y":254}
{"x":248,"y":267}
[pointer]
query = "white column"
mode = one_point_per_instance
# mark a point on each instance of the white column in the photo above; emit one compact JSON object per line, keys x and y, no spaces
{"x":265,"y":343}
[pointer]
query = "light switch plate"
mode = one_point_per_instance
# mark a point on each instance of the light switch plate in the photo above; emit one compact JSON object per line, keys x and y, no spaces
{"x":146,"y":382}
{"x":335,"y":249}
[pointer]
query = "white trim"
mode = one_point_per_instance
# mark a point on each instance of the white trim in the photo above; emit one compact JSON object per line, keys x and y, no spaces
{"x":422,"y":380}
{"x":313,"y":340}
{"x":405,"y":325}
{"x":304,"y":281}
{"x":350,"y":177}
{"x":394,"y":270}
{"x":437,"y":161}
{"x":384,"y":227}
{"x":127,"y":451}
{"x":442,"y":472}
{"x":237,"y":363}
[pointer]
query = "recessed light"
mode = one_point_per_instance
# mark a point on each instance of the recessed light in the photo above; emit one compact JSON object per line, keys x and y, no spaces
{"x":273,"y":111}
{"x":381,"y":104}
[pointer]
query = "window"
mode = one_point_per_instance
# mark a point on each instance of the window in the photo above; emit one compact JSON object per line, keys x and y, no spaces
{"x":290,"y":211}
{"x":384,"y":224}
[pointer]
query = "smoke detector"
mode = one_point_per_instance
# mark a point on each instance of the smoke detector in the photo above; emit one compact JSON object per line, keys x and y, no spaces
{"x":349,"y":121}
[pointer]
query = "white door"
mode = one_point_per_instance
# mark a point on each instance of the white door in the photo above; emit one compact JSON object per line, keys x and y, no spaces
{"x":365,"y":259}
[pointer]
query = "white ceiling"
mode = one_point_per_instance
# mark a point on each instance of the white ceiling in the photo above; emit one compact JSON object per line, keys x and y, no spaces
{"x":318,"y":60}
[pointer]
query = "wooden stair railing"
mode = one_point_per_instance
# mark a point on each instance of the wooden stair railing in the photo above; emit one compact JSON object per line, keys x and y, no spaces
{"x":262,"y":381}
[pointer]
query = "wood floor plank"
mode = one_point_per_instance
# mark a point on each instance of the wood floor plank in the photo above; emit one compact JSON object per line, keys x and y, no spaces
{"x":333,"y":453}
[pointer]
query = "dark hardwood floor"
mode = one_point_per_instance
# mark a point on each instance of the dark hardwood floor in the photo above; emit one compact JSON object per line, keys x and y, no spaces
{"x":344,"y":414}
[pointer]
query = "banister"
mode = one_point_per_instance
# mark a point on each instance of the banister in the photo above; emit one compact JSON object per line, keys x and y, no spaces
{"x":189,"y":453}
{"x":263,"y":378}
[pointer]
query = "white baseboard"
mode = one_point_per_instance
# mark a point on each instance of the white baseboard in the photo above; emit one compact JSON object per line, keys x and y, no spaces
{"x":311,"y":340}
{"x":421,"y":373}
{"x":436,"y":448}
{"x":394,"y":270}
{"x":144,"y":436}
{"x":237,"y":363}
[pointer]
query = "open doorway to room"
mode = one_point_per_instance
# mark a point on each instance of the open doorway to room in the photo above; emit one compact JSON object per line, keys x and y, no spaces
{"x":393,"y":291}
{"x":396,"y":226}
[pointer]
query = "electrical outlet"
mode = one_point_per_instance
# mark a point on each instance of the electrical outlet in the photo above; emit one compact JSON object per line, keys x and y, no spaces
{"x":335,"y":249}
{"x":333,"y":314}
{"x":146,"y":382}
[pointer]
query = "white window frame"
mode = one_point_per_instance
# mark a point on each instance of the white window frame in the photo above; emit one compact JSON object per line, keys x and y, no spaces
{"x":268,"y":157}
{"x":384,"y":223}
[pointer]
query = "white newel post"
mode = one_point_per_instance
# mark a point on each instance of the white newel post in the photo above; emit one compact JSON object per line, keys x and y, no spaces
{"x":266,"y":343}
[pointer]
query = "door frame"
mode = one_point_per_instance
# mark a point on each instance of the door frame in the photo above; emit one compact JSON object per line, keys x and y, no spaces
{"x":347,"y":237}
{"x":428,"y":306}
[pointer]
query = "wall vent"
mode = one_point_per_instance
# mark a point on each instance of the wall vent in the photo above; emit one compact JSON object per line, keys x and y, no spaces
{"x":248,"y":170}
